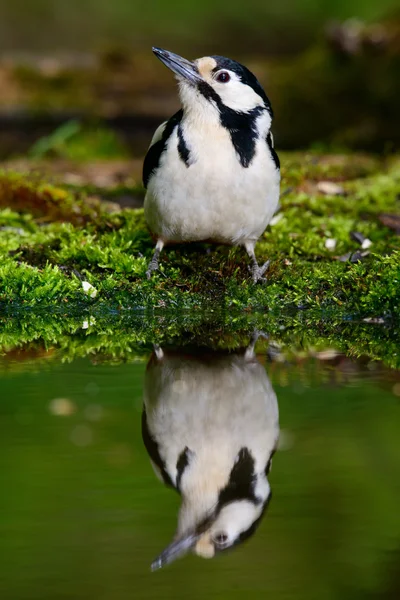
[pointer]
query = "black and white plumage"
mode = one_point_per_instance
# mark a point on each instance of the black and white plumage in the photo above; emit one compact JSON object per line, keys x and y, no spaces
{"x":210,"y":426}
{"x":211,"y":171}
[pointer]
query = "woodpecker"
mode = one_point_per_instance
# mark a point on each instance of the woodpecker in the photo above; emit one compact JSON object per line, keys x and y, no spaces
{"x":210,"y":425}
{"x":211,"y":171}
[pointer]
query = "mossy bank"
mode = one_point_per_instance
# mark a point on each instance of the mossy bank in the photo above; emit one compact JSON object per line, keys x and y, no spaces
{"x":55,"y":240}
{"x":72,"y":274}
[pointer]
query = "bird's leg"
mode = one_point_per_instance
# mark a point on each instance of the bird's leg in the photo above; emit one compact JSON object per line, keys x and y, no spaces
{"x":158,"y":351}
{"x":153,"y":264}
{"x":249,"y":354}
{"x":256,"y":271}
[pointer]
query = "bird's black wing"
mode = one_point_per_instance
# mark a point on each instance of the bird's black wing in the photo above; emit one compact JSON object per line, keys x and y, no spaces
{"x":157,"y":147}
{"x":275,"y":157}
{"x":154,"y":452}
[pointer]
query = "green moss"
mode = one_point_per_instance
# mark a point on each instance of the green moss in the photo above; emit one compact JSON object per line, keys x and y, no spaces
{"x":46,"y":262}
{"x":111,"y":334}
{"x":43,"y":201}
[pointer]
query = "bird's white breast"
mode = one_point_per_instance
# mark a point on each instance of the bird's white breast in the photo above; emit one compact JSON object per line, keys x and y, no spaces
{"x":214,"y":198}
{"x":214,"y":409}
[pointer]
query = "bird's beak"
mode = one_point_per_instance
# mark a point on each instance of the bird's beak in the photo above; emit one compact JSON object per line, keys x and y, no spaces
{"x":182,"y":67}
{"x":175,"y":550}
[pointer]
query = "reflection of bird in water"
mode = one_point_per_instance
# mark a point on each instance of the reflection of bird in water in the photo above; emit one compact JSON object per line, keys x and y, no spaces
{"x":210,"y":426}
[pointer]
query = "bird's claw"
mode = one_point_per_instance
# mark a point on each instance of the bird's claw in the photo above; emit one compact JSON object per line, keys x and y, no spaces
{"x":158,"y":351}
{"x":153,"y":266}
{"x":249,"y":354}
{"x":258,"y":272}
{"x":258,"y":333}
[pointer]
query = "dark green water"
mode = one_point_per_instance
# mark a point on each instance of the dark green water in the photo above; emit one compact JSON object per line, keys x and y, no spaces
{"x":82,"y":514}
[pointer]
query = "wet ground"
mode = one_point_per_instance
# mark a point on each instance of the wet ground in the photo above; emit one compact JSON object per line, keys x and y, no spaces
{"x":83,"y":515}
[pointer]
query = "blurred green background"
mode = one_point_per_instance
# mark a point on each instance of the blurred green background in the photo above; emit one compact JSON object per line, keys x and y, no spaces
{"x":283,"y":26}
{"x":330,"y":67}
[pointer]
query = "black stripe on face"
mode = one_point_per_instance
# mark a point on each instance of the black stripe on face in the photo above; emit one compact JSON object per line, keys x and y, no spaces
{"x":245,"y":535}
{"x":243,"y":131}
{"x":183,"y":149}
{"x":208,"y":92}
{"x":241,"y":125}
{"x":241,"y":482}
{"x":245,"y":76}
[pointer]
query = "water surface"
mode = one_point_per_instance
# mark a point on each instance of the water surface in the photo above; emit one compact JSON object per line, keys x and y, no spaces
{"x":83,"y":515}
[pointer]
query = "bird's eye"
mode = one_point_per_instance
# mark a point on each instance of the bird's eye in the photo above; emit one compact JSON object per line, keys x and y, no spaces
{"x":223,"y":77}
{"x":220,"y":539}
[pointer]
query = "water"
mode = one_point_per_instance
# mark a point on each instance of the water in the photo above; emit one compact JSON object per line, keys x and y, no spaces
{"x":83,"y":515}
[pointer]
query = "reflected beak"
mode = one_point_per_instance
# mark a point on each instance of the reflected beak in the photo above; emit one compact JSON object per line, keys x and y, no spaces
{"x":180,"y":66}
{"x":174,"y":551}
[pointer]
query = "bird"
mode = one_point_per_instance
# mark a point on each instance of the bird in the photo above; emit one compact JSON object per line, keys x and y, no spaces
{"x":210,"y":425}
{"x":211,"y":172}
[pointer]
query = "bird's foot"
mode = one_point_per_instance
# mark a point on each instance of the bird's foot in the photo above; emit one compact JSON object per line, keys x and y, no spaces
{"x":258,"y":272}
{"x":258,"y":333}
{"x":158,"y":351}
{"x":249,"y":354}
{"x":153,"y":266}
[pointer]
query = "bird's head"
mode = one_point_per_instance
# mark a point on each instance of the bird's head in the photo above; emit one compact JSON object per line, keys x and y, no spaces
{"x":215,"y":85}
{"x":214,"y":520}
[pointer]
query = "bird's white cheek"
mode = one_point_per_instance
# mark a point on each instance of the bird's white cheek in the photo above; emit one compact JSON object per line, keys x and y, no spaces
{"x":237,"y":96}
{"x":235,"y":518}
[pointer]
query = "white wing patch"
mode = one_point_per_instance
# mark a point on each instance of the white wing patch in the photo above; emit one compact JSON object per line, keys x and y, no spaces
{"x":158,"y":134}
